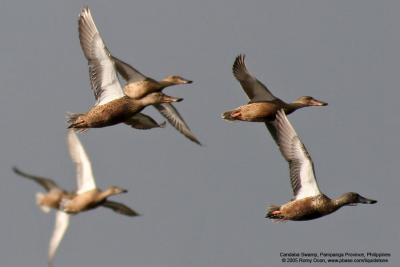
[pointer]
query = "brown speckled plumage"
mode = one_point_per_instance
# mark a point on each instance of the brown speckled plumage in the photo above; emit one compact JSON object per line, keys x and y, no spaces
{"x":304,"y":209}
{"x":257,"y":111}
{"x":116,"y":111}
{"x":263,"y":104}
{"x":103,"y":68}
{"x":309,"y":202}
{"x":111,"y":113}
{"x":94,"y":198}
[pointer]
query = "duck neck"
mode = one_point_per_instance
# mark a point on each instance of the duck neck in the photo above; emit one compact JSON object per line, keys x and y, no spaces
{"x":294,"y":106}
{"x":340,"y":202}
{"x":104,"y":195}
{"x":165,"y":83}
{"x":146,"y":101}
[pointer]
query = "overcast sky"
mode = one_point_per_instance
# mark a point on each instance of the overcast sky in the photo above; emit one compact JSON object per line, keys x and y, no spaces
{"x":203,"y":206}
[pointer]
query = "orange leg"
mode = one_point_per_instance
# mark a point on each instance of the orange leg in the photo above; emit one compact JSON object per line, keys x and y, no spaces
{"x":235,"y":114}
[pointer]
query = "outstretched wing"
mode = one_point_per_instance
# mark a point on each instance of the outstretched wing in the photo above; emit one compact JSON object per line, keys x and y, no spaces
{"x":119,"y":208}
{"x":255,"y":90}
{"x":176,"y":120}
{"x":46,"y":183}
{"x":60,"y":226}
{"x":129,"y":73}
{"x":103,"y":77}
{"x":84,"y":174}
{"x":302,"y":176}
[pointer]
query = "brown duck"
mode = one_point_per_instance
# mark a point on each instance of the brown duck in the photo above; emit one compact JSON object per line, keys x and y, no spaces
{"x":56,"y":197}
{"x":309,"y":202}
{"x":120,"y":110}
{"x":103,"y":68}
{"x":54,"y":193}
{"x":263,"y":104}
{"x":88,"y":196}
{"x":51,"y":200}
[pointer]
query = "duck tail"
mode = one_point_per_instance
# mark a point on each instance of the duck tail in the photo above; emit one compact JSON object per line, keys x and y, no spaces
{"x":39,"y":198}
{"x":273,"y":212}
{"x":76,"y":121}
{"x":227,"y":115}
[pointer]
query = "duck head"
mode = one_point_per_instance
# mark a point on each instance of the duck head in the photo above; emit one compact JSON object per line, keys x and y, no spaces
{"x":175,"y":80}
{"x":115,"y":190}
{"x":309,"y":101}
{"x":158,"y":97}
{"x":352,"y":199}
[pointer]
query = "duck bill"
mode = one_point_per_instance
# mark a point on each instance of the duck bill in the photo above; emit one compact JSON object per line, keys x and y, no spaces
{"x":185,"y":81}
{"x":365,"y":200}
{"x":124,"y":191}
{"x":170,"y":99}
{"x":319,"y":103}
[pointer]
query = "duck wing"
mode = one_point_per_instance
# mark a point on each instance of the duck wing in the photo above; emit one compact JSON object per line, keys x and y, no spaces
{"x":102,"y":74}
{"x":60,"y":227}
{"x":255,"y":90}
{"x":84,"y":173}
{"x":119,"y":208}
{"x":143,"y":122}
{"x":129,"y":73}
{"x":46,"y":183}
{"x":175,"y":119}
{"x":302,"y":175}
{"x":271,"y":126}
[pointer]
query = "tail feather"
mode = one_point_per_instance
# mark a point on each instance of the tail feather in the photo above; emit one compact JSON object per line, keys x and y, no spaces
{"x":227,"y":115}
{"x":272,"y":214}
{"x":75,"y":121}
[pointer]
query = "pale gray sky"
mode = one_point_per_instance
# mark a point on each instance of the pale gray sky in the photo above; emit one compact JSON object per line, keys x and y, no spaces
{"x":203,"y":206}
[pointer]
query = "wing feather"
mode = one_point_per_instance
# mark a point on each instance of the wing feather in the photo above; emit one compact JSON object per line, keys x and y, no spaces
{"x":176,"y":120}
{"x":302,"y":176}
{"x":143,"y":122}
{"x":60,"y":227}
{"x":119,"y":208}
{"x":102,"y":74}
{"x":84,"y":173}
{"x":255,"y":90}
{"x":129,"y":73}
{"x":46,"y":183}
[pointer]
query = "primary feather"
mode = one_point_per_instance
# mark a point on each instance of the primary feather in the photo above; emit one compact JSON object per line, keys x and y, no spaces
{"x":302,"y":176}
